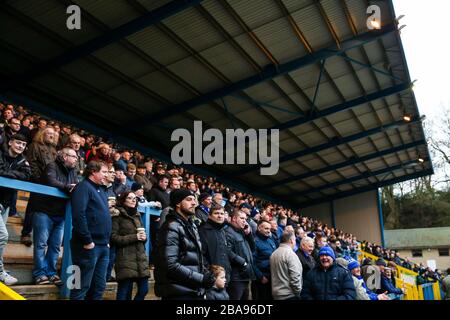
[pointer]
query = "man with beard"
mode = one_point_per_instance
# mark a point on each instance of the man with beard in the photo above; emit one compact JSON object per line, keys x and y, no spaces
{"x":328,"y":280}
{"x":179,"y":270}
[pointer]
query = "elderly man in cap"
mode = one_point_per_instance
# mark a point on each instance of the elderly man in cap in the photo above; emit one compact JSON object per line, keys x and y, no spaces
{"x":179,"y":267}
{"x":328,"y":280}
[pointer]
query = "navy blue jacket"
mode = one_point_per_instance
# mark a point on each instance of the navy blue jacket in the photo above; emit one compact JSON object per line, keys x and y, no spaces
{"x":90,"y":214}
{"x":265,"y":246}
{"x":387,"y":285}
{"x":336,"y":283}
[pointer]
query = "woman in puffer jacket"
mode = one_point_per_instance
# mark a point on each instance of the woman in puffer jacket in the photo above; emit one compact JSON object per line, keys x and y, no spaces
{"x":131,"y":260}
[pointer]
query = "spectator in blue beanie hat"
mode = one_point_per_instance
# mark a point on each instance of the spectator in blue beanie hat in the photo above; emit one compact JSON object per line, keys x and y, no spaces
{"x":328,"y":280}
{"x":362,"y":291}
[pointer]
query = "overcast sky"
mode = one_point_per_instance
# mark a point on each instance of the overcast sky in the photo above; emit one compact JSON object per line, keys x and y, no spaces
{"x":426,"y":45}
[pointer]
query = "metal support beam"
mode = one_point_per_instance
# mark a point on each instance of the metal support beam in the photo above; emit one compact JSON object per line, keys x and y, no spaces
{"x":269,"y":72}
{"x":344,"y":106}
{"x":102,"y":41}
{"x":333,"y":214}
{"x":380,"y":216}
{"x":333,"y":143}
{"x":349,"y":162}
{"x":356,"y":178}
{"x":316,"y":91}
{"x":365,"y":189}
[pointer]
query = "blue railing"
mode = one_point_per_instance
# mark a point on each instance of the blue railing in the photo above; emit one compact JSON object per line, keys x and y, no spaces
{"x":428,"y":293}
{"x":54,"y":192}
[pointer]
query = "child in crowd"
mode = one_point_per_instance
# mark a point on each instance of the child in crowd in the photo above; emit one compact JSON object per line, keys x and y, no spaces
{"x":218,"y":292}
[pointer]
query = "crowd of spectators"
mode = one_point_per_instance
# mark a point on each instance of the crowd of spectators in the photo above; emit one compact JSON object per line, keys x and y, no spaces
{"x":209,"y":240}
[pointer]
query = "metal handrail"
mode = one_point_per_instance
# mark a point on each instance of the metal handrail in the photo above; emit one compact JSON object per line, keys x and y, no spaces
{"x":55,"y":192}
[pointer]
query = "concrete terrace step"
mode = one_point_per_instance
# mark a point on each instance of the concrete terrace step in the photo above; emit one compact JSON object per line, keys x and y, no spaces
{"x":51,"y":292}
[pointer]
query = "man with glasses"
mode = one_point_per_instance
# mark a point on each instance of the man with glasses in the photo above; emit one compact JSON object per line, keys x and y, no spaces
{"x":91,"y":232}
{"x":49,"y":215}
{"x":12,"y":128}
{"x":12,"y":165}
{"x":75,"y":144}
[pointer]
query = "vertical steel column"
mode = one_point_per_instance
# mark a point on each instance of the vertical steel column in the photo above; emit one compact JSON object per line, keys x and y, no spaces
{"x":67,"y":256}
{"x":333,"y":214}
{"x":380,"y":215}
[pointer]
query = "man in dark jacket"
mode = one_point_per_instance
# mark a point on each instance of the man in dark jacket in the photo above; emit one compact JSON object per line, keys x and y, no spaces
{"x":49,"y":214}
{"x":265,"y":245}
{"x":328,"y":280}
{"x":91,"y":232}
{"x":202,"y":211}
{"x":179,"y":267}
{"x":240,"y":241}
{"x":12,"y":165}
{"x":40,"y":153}
{"x":214,"y":242}
{"x":304,"y":253}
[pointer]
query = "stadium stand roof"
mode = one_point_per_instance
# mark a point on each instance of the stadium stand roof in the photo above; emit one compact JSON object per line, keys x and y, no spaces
{"x":138,"y":69}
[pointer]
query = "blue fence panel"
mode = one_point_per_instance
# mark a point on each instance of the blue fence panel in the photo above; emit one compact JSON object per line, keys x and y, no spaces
{"x":54,"y":192}
{"x":428,"y":293}
{"x":146,"y":221}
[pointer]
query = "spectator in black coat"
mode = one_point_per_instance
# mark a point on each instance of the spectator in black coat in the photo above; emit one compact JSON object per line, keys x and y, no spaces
{"x":304,"y":253}
{"x":12,"y":165}
{"x":328,"y":280}
{"x":214,"y":242}
{"x":179,"y":266}
{"x":240,"y":241}
{"x":49,"y":215}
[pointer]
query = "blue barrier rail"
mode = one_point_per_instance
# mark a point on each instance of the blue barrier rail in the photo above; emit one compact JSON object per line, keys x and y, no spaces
{"x":67,"y":257}
{"x":428,"y":293}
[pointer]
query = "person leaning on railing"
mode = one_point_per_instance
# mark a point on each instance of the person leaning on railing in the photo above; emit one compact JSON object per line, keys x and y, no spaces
{"x":12,"y":165}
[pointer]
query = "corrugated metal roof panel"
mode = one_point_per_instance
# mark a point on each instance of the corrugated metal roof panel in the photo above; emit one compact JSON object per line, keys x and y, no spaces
{"x":257,"y":12}
{"x":228,"y":61}
{"x":196,"y":74}
{"x":111,"y":13}
{"x":158,"y":45}
{"x":336,"y":15}
{"x":27,"y":39}
{"x":153,"y":4}
{"x":198,"y":33}
{"x":117,"y":57}
{"x":313,"y":28}
{"x":53,"y":15}
{"x":280,"y":40}
{"x":158,"y":82}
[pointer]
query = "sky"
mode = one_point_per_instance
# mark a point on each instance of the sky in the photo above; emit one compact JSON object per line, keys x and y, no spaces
{"x":426,"y":43}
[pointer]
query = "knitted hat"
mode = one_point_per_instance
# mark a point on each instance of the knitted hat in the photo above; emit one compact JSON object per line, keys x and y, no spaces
{"x":381,"y":262}
{"x":203,"y":196}
{"x":178,"y":195}
{"x":352,"y":265}
{"x":136,"y":186}
{"x":327,"y":251}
